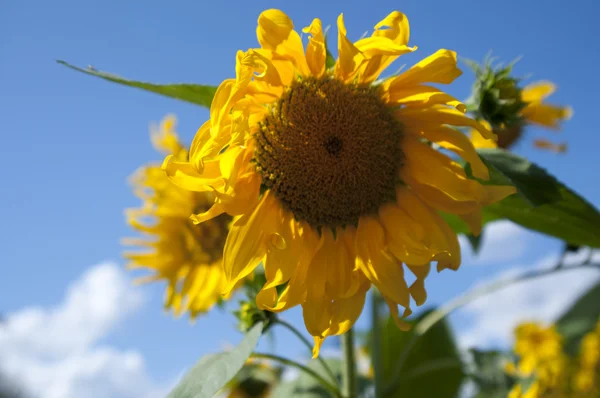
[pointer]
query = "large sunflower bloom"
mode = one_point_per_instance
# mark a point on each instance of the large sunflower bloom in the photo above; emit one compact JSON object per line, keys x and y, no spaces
{"x":535,"y":111}
{"x":329,"y":173}
{"x":187,"y":256}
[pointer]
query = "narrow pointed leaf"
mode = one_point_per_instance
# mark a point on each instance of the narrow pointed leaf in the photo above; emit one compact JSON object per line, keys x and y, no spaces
{"x":195,"y":93}
{"x":213,"y":371}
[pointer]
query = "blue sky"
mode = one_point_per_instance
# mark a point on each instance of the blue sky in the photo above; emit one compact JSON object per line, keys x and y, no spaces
{"x":70,"y":141}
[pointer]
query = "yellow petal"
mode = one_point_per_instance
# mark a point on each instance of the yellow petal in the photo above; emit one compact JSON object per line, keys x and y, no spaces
{"x":346,"y":311}
{"x":383,"y":270}
{"x":420,"y":96}
{"x":417,"y":234}
{"x":316,"y":312}
{"x":479,"y":141}
{"x":457,"y":142}
{"x":417,"y":289}
{"x":537,"y":91}
{"x":393,"y":306}
{"x":350,"y":59}
{"x":439,"y":67}
{"x":281,"y":263}
{"x":388,"y":42}
{"x":275,"y":31}
{"x":547,"y":115}
{"x":438,"y":115}
{"x":341,"y":280}
{"x":318,"y":341}
{"x":395,"y":26}
{"x":185,"y":175}
{"x":316,"y":52}
{"x":247,"y":240}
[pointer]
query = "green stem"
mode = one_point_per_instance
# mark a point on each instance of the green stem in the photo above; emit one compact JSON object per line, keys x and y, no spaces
{"x":349,"y":381}
{"x":298,"y":334}
{"x":330,"y":387}
{"x":434,"y":317}
{"x":376,"y":349}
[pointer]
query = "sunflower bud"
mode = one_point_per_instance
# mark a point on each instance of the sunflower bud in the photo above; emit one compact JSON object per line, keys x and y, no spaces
{"x":496,"y":95}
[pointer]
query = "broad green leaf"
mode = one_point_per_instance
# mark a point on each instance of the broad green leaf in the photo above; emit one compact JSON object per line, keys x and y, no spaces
{"x":433,"y":367}
{"x":543,"y":204}
{"x":579,"y":319}
{"x":195,"y":93}
{"x":213,"y":372}
{"x":534,"y":184}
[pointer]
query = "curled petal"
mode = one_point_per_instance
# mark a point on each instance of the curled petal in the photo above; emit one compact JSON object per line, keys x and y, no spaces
{"x":316,"y":53}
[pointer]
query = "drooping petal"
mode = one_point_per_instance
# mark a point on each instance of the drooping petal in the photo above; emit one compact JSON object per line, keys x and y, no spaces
{"x":382,"y":269}
{"x":459,"y":143}
{"x":316,"y":53}
{"x":393,"y":306}
{"x":439,"y":115}
{"x":346,"y":311}
{"x":417,"y":288}
{"x":246,"y":243}
{"x":418,"y":235}
{"x":316,"y":312}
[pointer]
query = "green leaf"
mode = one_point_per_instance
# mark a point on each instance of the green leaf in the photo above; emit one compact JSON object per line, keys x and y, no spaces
{"x":329,"y":58}
{"x":195,"y":93}
{"x":579,"y":319}
{"x":489,"y":374}
{"x":533,"y":183}
{"x":433,"y":367}
{"x":213,"y":371}
{"x":543,"y":204}
{"x":305,"y":386}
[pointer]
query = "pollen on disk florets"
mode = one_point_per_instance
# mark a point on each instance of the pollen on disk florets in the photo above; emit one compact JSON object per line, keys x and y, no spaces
{"x":329,"y":151}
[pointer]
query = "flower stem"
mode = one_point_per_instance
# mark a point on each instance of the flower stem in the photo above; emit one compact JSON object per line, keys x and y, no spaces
{"x":298,"y":334}
{"x":376,"y":348}
{"x":434,"y":317}
{"x":349,"y":381}
{"x":330,"y":387}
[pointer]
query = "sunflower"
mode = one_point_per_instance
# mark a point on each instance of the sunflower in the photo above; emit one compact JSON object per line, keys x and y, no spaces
{"x":187,"y":256}
{"x":330,"y":173}
{"x":531,"y":110}
{"x":540,"y":352}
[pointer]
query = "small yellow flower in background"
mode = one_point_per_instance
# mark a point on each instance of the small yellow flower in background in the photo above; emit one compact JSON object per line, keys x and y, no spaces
{"x":504,"y":106}
{"x":187,"y":256}
{"x":541,"y":356}
{"x":329,"y":173}
{"x":587,"y":377}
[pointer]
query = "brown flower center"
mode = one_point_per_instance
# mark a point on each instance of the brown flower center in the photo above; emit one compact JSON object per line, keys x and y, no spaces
{"x":329,"y":151}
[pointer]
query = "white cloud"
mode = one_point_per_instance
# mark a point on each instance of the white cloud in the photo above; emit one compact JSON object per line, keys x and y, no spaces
{"x":541,"y":300}
{"x":54,"y":352}
{"x":502,"y":241}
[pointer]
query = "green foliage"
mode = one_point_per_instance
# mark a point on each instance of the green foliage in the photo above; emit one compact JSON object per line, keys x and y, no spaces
{"x":214,"y":371}
{"x":195,"y":93}
{"x":579,"y":319}
{"x":489,"y":375}
{"x":433,"y":367}
{"x":543,"y":203}
{"x":306,"y":386}
{"x":496,"y":95}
